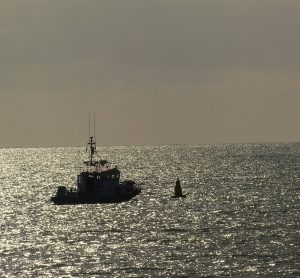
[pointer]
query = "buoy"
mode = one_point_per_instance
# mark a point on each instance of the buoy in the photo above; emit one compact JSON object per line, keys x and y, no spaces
{"x":178,"y":190}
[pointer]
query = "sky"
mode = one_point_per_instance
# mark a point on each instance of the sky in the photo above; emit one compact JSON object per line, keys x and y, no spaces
{"x":153,"y":72}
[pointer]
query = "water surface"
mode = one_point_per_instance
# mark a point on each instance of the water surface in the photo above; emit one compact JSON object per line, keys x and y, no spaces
{"x":240,"y":218}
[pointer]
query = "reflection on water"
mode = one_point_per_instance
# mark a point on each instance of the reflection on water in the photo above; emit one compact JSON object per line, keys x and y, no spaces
{"x":240,"y":217}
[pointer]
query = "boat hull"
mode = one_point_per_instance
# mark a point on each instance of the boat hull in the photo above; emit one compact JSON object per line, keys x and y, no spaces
{"x":74,"y":200}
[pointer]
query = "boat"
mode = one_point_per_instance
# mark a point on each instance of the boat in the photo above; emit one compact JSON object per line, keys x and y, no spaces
{"x":98,"y":183}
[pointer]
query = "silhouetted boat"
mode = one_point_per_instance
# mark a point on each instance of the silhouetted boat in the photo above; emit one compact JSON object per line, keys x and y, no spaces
{"x":99,"y":183}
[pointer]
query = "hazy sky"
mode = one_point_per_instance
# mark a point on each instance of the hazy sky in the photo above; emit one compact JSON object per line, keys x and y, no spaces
{"x":154,"y":72}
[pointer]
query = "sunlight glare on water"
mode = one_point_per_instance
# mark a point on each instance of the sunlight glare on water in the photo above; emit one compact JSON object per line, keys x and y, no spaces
{"x":240,"y":217}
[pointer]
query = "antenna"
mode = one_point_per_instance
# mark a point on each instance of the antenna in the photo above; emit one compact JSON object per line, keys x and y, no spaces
{"x":89,"y":126}
{"x":94,"y":127}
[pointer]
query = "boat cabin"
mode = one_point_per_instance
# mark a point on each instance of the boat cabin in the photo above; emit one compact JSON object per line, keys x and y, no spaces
{"x":99,"y":181}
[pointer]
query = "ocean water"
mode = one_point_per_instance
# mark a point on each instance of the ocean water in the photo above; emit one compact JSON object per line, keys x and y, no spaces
{"x":241,"y":217}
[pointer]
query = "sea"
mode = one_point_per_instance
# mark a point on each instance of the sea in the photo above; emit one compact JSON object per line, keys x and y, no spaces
{"x":240,"y":217}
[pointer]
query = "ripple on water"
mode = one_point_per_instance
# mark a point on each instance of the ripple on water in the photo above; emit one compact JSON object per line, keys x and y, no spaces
{"x":240,"y":217}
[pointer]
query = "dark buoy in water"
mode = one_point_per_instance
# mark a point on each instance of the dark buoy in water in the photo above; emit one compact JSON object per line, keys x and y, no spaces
{"x":178,"y":190}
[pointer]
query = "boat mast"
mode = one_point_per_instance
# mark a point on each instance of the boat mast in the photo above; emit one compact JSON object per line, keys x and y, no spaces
{"x":91,"y":143}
